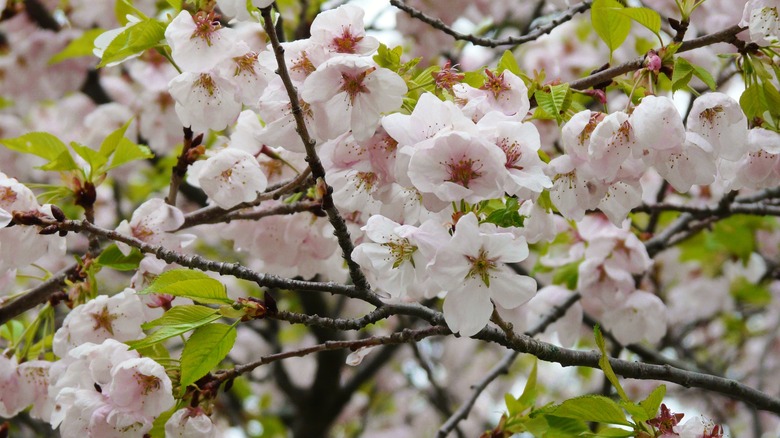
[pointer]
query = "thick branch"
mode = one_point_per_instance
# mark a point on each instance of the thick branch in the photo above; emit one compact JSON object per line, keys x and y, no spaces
{"x":489,"y":42}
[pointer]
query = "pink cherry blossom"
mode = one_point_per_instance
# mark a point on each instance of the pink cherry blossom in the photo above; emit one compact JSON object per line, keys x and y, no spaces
{"x":153,"y":223}
{"x":458,"y":166}
{"x":719,"y":119}
{"x":190,"y":423}
{"x":351,"y":93}
{"x":199,"y":43}
{"x":118,"y":317}
{"x":341,"y":30}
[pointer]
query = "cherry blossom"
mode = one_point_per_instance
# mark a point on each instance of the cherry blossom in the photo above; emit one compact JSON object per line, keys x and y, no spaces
{"x":718,"y":118}
{"x":152,"y":222}
{"x":205,"y":100}
{"x":351,"y":93}
{"x":231,"y":177}
{"x":199,"y":43}
{"x":458,"y":166}
{"x":190,"y":422}
{"x":762,"y":19}
{"x":118,"y":317}
{"x":341,"y":30}
{"x":471,"y":269}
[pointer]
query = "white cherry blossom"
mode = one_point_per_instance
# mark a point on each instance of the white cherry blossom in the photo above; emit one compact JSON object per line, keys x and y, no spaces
{"x":471,"y":269}
{"x":190,"y":423}
{"x":153,"y":222}
{"x":205,"y":100}
{"x":719,"y":119}
{"x":232,"y":176}
{"x":341,"y":30}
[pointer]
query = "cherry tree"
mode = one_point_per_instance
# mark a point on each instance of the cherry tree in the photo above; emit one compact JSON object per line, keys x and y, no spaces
{"x":407,"y":218}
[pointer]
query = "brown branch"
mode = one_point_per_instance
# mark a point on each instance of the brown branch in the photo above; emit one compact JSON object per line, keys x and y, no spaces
{"x":197,"y":262}
{"x":38,"y":295}
{"x":489,"y":42}
{"x":317,"y":170}
{"x":728,"y":35}
{"x":402,"y":337}
{"x":278,"y":210}
{"x":214,"y":214}
{"x":503,"y":366}
{"x":187,"y":157}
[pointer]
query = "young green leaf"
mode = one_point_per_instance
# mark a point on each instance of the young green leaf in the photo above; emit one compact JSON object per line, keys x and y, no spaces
{"x":610,"y":25}
{"x":182,"y":315}
{"x":42,"y":144}
{"x":553,"y":102}
{"x":653,"y":401}
{"x":127,"y":151}
{"x":133,"y":40}
{"x":592,"y":408}
{"x":113,"y":258}
{"x":644,"y":16}
{"x":606,"y":367}
{"x":508,"y":62}
{"x":204,"y":350}
{"x":189,"y":284}
{"x":81,"y":46}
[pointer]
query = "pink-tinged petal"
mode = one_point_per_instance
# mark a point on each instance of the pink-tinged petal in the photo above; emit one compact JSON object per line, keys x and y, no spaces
{"x":510,"y":290}
{"x":467,"y":311}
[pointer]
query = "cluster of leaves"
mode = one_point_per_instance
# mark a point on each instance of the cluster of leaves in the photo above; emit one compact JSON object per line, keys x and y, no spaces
{"x":588,"y":415}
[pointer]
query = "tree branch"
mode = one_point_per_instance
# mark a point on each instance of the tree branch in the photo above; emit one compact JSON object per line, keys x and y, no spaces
{"x":317,"y":170}
{"x":38,"y":295}
{"x":489,"y":42}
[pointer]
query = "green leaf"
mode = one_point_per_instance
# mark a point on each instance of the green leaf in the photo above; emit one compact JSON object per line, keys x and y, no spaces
{"x":175,"y":4}
{"x":388,"y":58}
{"x":12,"y":331}
{"x":189,"y":284}
{"x":63,"y":163}
{"x":594,"y":408}
{"x":170,"y":331}
{"x":567,"y":275}
{"x":653,"y":401}
{"x":528,"y":397}
{"x":554,"y":101}
{"x":158,"y":427}
{"x":128,"y":151}
{"x":610,"y":25}
{"x":93,"y":158}
{"x":508,"y":62}
{"x":204,"y":350}
{"x":81,"y":46}
{"x":606,"y":367}
{"x":113,"y":258}
{"x":41,"y":144}
{"x":123,"y":8}
{"x":684,"y":72}
{"x":183,"y":315}
{"x":135,"y":39}
{"x":644,"y":16}
{"x":753,"y":101}
{"x":111,"y":142}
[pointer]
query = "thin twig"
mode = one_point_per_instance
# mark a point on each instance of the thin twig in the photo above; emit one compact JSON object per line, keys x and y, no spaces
{"x":490,"y":42}
{"x":402,"y":337}
{"x":214,"y":214}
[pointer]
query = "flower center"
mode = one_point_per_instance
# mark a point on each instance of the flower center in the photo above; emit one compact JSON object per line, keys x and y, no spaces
{"x":401,"y":250}
{"x":206,"y":26}
{"x":365,"y":181}
{"x":104,"y":320}
{"x":711,"y":115}
{"x":495,"y":83}
{"x":463,"y":171}
{"x":481,"y":266}
{"x":147,"y":383}
{"x":245,"y":64}
{"x":447,"y":76}
{"x":303,"y":65}
{"x":353,"y":84}
{"x":346,"y":43}
{"x":513,"y":153}
{"x":206,"y":82}
{"x":7,"y":195}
